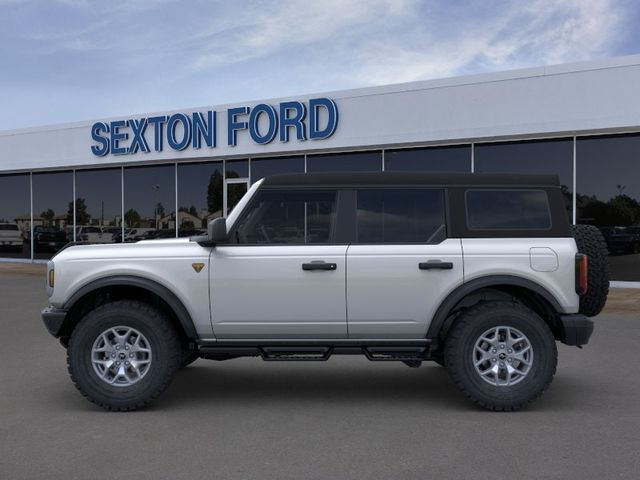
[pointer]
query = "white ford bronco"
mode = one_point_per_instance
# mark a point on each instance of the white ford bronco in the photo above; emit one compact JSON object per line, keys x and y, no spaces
{"x":481,"y":273}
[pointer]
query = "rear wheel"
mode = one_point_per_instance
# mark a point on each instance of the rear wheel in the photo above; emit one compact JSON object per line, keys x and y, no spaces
{"x":501,"y":355}
{"x":122,"y":355}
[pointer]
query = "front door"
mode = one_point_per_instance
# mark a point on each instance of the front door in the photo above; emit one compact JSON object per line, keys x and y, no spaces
{"x":281,"y":274}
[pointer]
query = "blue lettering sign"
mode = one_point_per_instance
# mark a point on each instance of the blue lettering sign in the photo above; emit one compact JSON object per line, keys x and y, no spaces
{"x":102,"y":147}
{"x":172,"y":125}
{"x":272,"y":123}
{"x":295,"y":120}
{"x":315,"y":120}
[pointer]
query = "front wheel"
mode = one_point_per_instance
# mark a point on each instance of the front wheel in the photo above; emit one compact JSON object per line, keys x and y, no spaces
{"x":122,"y":355}
{"x":501,"y":355}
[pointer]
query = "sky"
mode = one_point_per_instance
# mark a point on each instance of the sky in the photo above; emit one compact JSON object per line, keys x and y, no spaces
{"x":73,"y":60}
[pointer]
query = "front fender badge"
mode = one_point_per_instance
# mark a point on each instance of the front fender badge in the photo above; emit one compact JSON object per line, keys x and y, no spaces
{"x":197,"y":267}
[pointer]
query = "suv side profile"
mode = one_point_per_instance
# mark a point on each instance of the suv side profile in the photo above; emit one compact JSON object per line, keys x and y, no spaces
{"x":481,"y":273}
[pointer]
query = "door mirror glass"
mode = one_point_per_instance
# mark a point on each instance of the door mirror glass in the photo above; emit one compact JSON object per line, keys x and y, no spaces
{"x":218,"y":230}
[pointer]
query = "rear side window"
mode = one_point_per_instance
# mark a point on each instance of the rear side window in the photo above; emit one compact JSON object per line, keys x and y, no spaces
{"x":508,"y":210}
{"x":277,"y":217}
{"x":400,"y":216}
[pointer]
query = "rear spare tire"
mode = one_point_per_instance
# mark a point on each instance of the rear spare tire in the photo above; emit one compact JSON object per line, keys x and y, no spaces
{"x":590,"y":241}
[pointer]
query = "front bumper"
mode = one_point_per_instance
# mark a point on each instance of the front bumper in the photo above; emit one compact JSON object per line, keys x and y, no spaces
{"x":575,"y":329}
{"x":53,"y":319}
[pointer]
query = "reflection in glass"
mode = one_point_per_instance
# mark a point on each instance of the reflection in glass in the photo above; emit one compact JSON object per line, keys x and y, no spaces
{"x":15,"y":216}
{"x":280,"y":217}
{"x":98,"y":206}
{"x":400,"y":216}
{"x":237,"y":168}
{"x":608,"y":186}
{"x":235,"y":192}
{"x":265,"y":167}
{"x":345,"y":162}
{"x":430,"y":159}
{"x":535,"y":156}
{"x":149,"y":203}
{"x":199,"y":196}
{"x":52,"y":212}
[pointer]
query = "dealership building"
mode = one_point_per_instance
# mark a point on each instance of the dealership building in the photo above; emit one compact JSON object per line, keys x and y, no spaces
{"x":167,"y":174}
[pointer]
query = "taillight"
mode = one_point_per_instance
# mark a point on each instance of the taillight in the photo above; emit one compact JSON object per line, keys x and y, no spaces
{"x":582,"y":272}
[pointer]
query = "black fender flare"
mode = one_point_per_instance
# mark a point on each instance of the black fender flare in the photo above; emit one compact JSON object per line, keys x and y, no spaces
{"x":171,"y":299}
{"x":467,"y":288}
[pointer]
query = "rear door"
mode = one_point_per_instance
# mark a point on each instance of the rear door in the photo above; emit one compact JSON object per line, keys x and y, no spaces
{"x":401,"y":265}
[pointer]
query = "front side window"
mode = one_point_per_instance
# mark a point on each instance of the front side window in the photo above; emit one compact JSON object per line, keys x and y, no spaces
{"x":400,"y":216}
{"x":508,"y":210}
{"x":277,"y":217}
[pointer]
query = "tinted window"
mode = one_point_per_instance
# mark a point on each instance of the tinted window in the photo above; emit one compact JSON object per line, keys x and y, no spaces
{"x":199,"y":196}
{"x":281,"y":217}
{"x":15,"y":216}
{"x":537,"y":156}
{"x":237,"y":168}
{"x":345,"y":162}
{"x":608,"y":186}
{"x":149,"y":202}
{"x":508,"y":210}
{"x":400,"y":216}
{"x":264,"y":167}
{"x":430,"y":159}
{"x":52,"y":212}
{"x":99,"y":205}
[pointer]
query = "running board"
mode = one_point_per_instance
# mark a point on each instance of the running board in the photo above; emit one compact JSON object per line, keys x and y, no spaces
{"x":318,"y":350}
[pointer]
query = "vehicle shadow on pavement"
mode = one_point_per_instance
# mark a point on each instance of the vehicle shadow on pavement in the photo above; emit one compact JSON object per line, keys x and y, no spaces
{"x":204,"y":384}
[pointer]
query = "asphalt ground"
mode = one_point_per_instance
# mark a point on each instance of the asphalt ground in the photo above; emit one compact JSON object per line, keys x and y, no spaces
{"x":341,"y":419}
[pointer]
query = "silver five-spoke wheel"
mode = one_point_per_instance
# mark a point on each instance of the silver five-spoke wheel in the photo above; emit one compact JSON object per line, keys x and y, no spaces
{"x":502,"y":356}
{"x":121,"y":356}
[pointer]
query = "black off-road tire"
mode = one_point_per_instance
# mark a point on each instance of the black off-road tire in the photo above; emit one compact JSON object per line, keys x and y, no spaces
{"x":460,"y":344}
{"x":590,"y":241}
{"x":162,"y":337}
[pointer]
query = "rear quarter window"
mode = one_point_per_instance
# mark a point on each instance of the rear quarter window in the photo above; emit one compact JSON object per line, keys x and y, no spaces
{"x":493,"y":209}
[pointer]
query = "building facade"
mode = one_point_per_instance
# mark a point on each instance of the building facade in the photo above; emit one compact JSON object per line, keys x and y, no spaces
{"x":169,"y":174}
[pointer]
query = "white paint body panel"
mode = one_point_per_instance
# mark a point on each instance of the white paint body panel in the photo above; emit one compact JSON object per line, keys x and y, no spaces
{"x":389,"y":296}
{"x":167,"y":262}
{"x":511,"y":256}
{"x":262,"y":291}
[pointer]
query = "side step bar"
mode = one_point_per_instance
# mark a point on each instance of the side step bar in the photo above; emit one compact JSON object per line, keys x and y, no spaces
{"x":318,"y":350}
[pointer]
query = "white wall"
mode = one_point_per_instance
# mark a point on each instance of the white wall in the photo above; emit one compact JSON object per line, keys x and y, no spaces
{"x":588,"y":97}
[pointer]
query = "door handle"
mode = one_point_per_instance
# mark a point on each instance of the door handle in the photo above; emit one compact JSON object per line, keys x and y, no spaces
{"x":435,"y":265}
{"x":319,"y":266}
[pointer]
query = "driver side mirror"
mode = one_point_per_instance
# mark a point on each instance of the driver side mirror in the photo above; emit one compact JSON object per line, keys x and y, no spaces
{"x":218,"y":230}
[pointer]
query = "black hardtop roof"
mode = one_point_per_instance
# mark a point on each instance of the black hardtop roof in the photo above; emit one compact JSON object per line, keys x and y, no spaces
{"x":410,"y":178}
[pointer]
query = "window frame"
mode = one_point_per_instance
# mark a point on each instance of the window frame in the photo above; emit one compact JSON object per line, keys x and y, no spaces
{"x":337,"y":222}
{"x":508,"y":229}
{"x":445,"y":212}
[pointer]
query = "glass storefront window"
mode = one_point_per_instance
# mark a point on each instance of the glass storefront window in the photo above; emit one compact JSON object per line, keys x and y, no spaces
{"x":535,"y":156}
{"x":149,"y":202}
{"x":99,"y":205}
{"x":264,"y":167}
{"x":608,"y":196}
{"x":430,"y":159}
{"x":345,"y":162}
{"x":52,"y":212}
{"x":200,"y":189}
{"x":15,"y":216}
{"x":237,"y":168}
